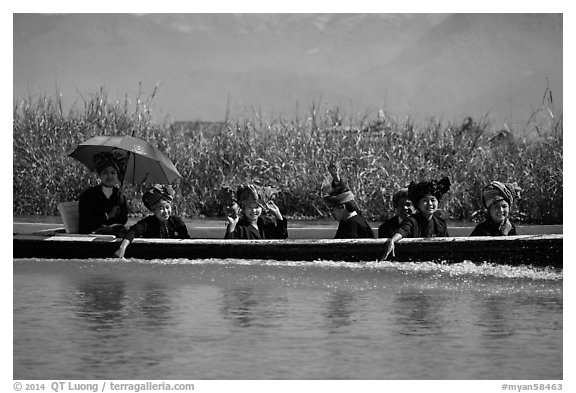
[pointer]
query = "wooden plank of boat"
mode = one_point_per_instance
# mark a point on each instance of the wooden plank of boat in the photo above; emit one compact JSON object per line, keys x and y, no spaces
{"x":536,"y":250}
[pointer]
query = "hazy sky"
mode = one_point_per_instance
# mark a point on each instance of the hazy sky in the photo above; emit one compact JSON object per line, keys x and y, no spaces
{"x":416,"y":65}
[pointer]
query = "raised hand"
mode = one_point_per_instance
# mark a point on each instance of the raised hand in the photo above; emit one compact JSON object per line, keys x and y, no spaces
{"x":232,"y":222}
{"x":334,"y":170}
{"x":505,"y":226}
{"x":270,"y":205}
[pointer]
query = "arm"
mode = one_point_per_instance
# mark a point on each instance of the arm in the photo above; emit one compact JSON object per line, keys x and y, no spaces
{"x":382,"y":231}
{"x":122,"y":249}
{"x":135,"y":231}
{"x":334,"y":170}
{"x":339,"y":184}
{"x":122,"y":216}
{"x":231,"y":227}
{"x":505,"y":227}
{"x":390,"y":245}
{"x":277,"y":230}
{"x":118,"y":214}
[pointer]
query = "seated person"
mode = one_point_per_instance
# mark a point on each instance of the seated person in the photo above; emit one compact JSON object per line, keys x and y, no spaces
{"x":248,"y":222}
{"x":344,"y":209}
{"x":229,"y":202}
{"x":425,"y":223}
{"x":103,"y":208}
{"x":404,"y":209}
{"x":162,"y":224}
{"x":497,"y":198}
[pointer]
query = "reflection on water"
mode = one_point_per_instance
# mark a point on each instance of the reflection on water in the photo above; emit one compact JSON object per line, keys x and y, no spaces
{"x":417,"y":313}
{"x":103,"y":320}
{"x":109,"y":311}
{"x":244,"y":306}
{"x":154,"y":304}
{"x":239,"y":306}
{"x":340,"y":310}
{"x":494,"y":318}
{"x":100,"y":301}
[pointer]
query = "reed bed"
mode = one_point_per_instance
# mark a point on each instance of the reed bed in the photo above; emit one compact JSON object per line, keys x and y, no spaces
{"x":378,"y":157}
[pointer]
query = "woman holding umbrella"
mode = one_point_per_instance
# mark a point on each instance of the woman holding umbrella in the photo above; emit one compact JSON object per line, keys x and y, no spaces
{"x":117,"y":158}
{"x":103,"y":208}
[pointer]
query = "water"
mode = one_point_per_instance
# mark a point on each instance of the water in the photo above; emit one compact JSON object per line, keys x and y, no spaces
{"x":232,"y":319}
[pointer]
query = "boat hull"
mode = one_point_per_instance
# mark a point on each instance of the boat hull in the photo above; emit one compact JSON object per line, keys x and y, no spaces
{"x":536,"y":250}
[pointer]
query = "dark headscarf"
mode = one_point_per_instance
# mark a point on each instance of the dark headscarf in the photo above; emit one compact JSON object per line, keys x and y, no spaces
{"x":438,"y":188}
{"x":335,"y":194}
{"x":497,"y":191}
{"x":104,"y":160}
{"x":403,"y":193}
{"x":247,"y":194}
{"x":157,"y":193}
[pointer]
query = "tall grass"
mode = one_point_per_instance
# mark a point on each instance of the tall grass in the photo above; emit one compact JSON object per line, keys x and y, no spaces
{"x":378,"y":157}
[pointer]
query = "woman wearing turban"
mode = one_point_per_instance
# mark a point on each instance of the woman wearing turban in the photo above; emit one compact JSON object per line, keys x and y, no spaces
{"x":103,"y":208}
{"x":251,"y":224}
{"x":404,"y":209}
{"x":498,"y":198}
{"x":344,"y":209}
{"x":425,"y":223}
{"x":162,"y":224}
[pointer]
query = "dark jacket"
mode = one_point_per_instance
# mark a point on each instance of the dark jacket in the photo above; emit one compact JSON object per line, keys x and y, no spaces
{"x":419,"y":226}
{"x":355,"y":227}
{"x":491,"y":228}
{"x":268,"y":228}
{"x":151,"y":227}
{"x":93,"y":205}
{"x":389,"y":227}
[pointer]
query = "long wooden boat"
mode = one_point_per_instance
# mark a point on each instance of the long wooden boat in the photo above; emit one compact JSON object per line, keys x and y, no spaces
{"x":535,"y":250}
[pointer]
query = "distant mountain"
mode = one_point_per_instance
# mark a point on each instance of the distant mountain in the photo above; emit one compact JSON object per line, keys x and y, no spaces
{"x":409,"y":64}
{"x":498,"y":64}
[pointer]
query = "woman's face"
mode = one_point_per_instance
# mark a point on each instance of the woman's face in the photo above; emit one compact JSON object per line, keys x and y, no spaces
{"x":428,"y":205}
{"x":404,"y":208}
{"x":252,"y":211}
{"x":108,"y":176}
{"x":162,"y":210}
{"x":339,"y":212}
{"x":499,"y":211}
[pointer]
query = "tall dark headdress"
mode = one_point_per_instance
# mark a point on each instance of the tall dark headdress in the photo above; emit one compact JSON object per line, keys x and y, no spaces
{"x":438,"y":188}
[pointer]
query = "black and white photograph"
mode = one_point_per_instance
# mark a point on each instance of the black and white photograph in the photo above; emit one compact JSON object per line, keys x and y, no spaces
{"x":203,"y":197}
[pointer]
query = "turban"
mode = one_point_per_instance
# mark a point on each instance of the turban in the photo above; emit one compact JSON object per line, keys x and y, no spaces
{"x":403,"y":193}
{"x":157,"y":193}
{"x":104,"y":160}
{"x":228,"y":200}
{"x":248,"y":194}
{"x":226,"y":196}
{"x":336,"y":193}
{"x":497,"y":191}
{"x":417,"y":191}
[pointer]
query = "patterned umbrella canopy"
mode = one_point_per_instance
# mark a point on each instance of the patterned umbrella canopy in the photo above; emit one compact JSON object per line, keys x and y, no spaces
{"x":142,"y":162}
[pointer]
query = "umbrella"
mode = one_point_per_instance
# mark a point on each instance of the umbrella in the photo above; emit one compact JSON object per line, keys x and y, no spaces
{"x":144,"y":162}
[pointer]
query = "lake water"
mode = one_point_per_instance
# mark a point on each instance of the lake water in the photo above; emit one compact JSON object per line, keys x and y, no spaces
{"x":233,"y":319}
